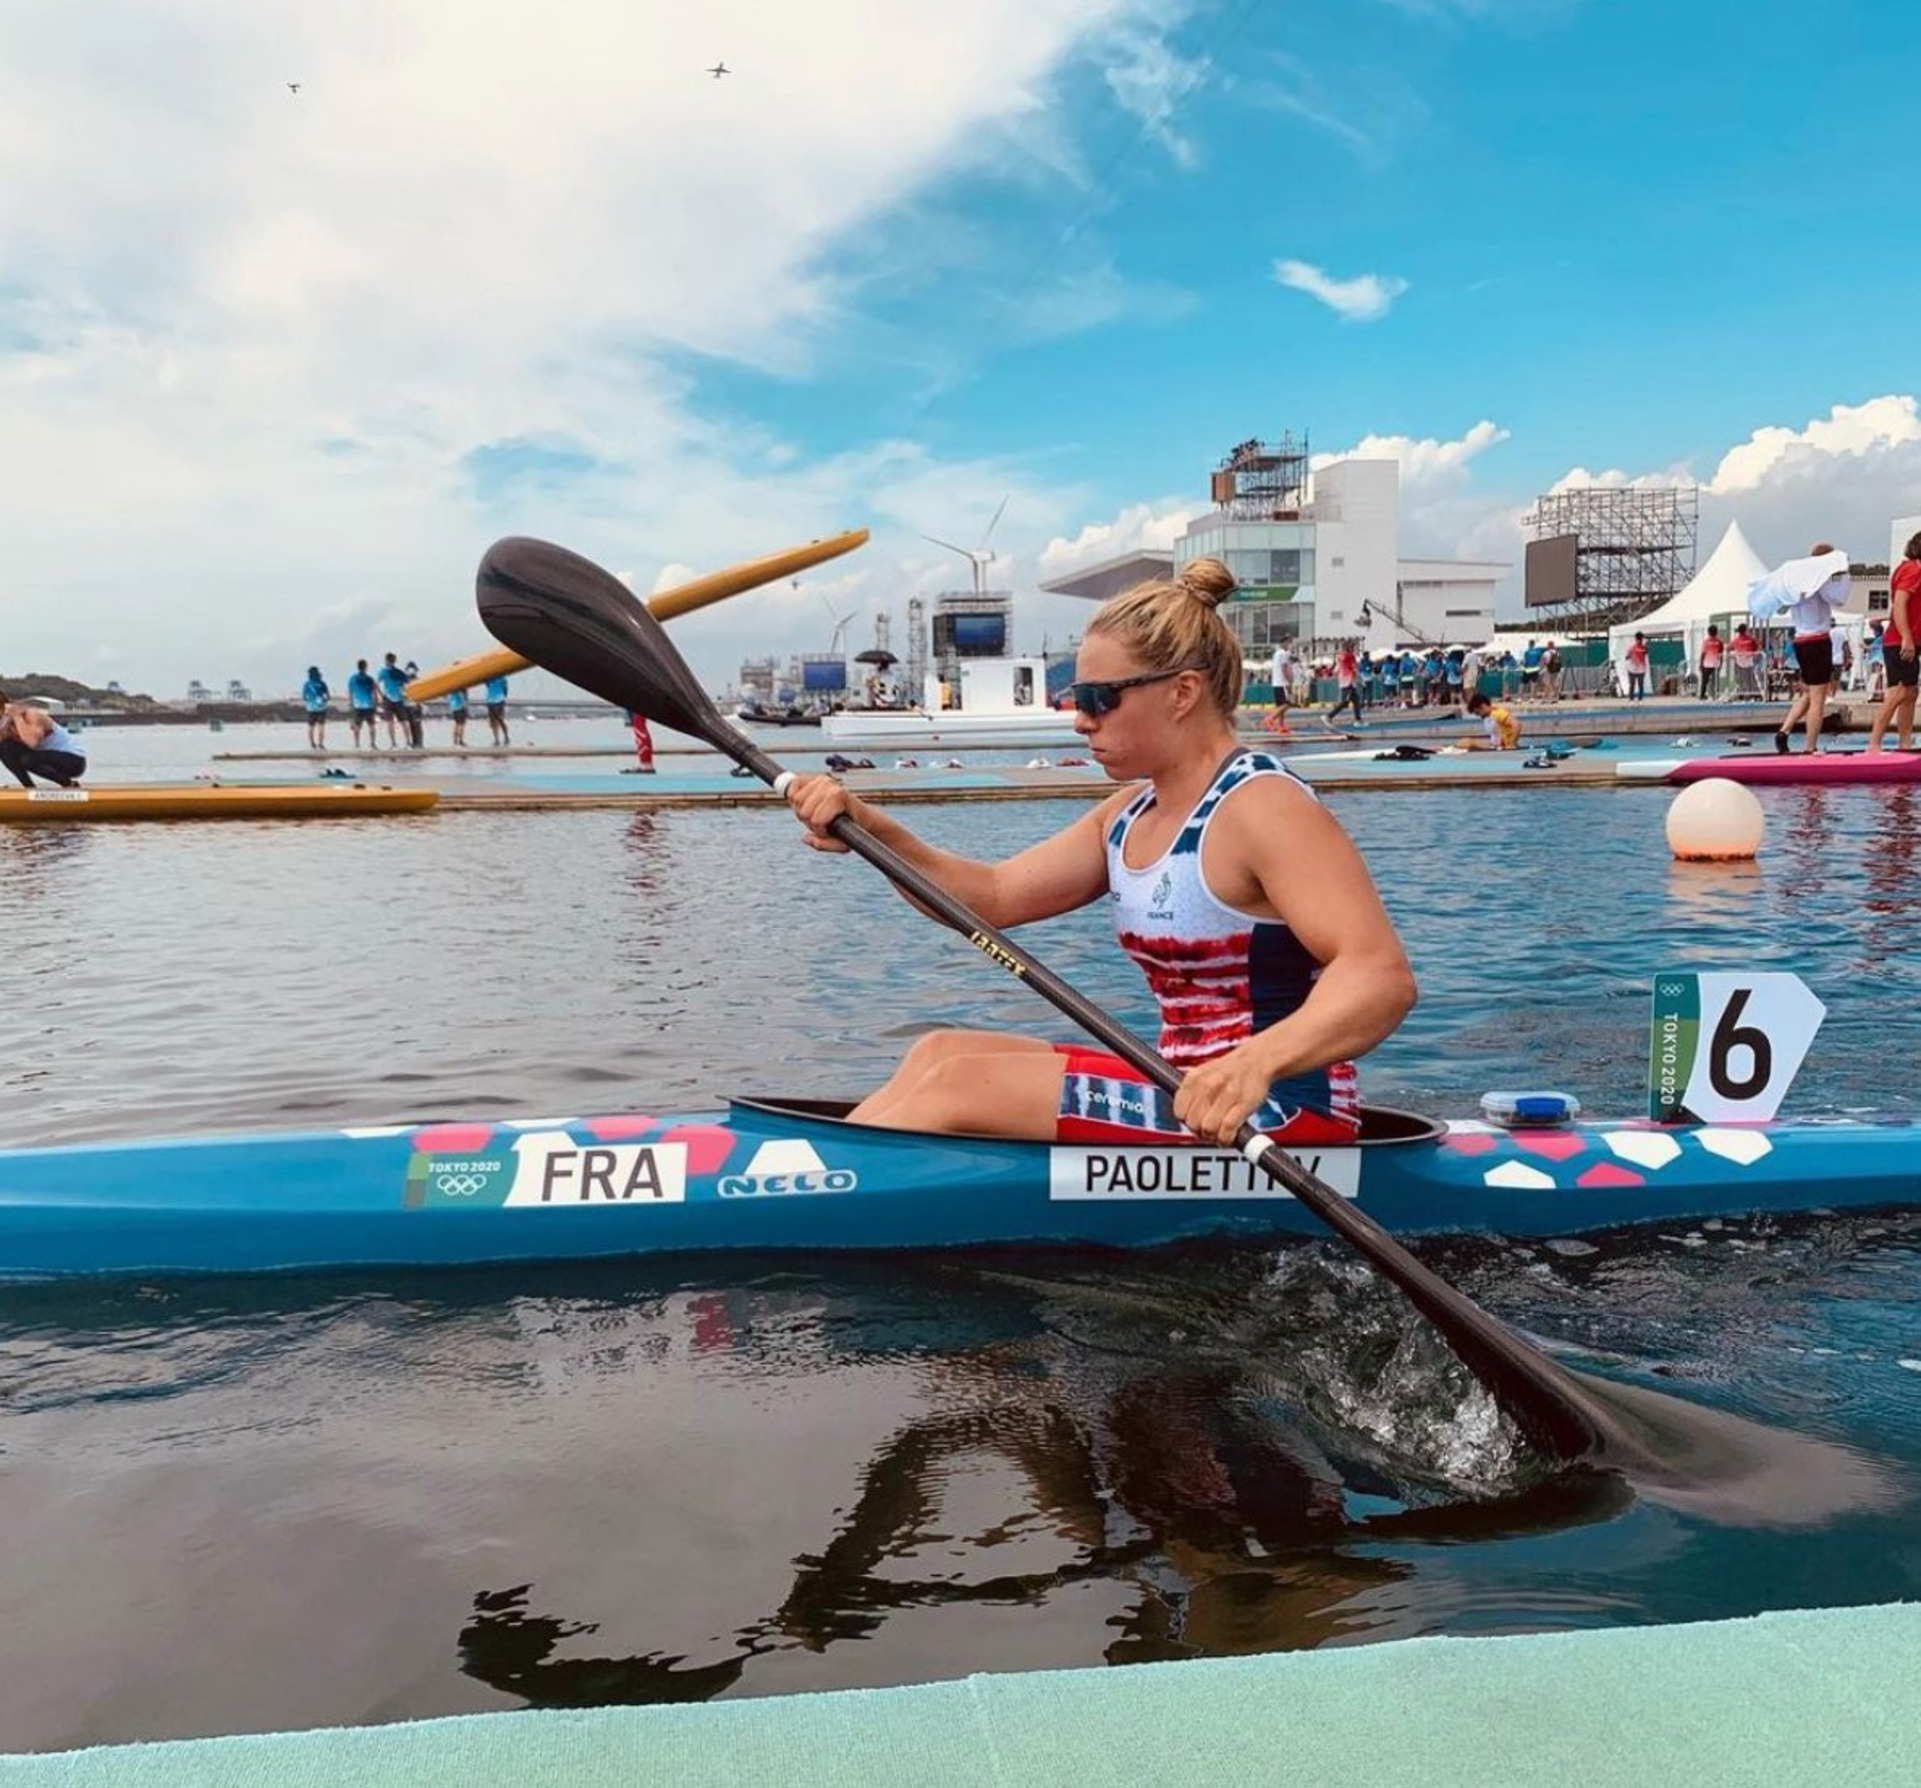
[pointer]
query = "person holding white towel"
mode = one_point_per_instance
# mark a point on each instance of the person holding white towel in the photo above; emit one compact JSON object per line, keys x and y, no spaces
{"x":1810,"y":590}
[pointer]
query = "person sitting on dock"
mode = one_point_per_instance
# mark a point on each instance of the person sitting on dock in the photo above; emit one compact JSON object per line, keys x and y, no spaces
{"x":361,"y":691}
{"x":1239,"y":896}
{"x":33,"y":743}
{"x":316,"y":698}
{"x":1503,"y":730}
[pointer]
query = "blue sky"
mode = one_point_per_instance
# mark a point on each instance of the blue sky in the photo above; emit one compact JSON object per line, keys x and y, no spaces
{"x":275,"y":367}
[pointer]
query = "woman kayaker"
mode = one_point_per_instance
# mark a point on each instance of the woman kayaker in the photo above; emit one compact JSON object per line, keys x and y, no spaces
{"x":1246,"y":906}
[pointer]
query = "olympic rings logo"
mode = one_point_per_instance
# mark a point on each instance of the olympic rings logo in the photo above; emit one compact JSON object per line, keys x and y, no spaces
{"x":459,"y":1185}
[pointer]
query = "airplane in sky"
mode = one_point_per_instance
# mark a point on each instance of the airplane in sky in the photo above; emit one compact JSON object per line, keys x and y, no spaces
{"x":719,"y":69}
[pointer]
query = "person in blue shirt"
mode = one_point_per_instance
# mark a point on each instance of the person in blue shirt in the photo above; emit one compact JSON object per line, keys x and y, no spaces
{"x":314,"y":697}
{"x":457,"y":713}
{"x":360,"y":704}
{"x":33,"y":743}
{"x":495,"y":691}
{"x":393,"y":702}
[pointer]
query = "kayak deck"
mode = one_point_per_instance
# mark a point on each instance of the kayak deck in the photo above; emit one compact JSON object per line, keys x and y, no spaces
{"x":764,"y":1175}
{"x":209,"y":801}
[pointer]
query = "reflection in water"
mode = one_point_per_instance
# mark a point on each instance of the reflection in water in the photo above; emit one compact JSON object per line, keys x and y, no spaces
{"x":1226,"y":1544}
{"x":1888,"y":853}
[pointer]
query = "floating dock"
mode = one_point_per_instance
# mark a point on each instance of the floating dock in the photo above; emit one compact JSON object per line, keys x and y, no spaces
{"x":1826,"y":1695}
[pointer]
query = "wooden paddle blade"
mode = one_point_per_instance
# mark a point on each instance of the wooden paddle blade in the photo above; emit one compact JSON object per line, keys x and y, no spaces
{"x":566,"y":614}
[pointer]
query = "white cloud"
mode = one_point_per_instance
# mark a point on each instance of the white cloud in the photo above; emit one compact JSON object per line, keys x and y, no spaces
{"x":1424,"y":461}
{"x":1151,"y":81}
{"x":1866,"y":433}
{"x":1363,"y":299}
{"x":1138,"y":527}
{"x":250,"y":340}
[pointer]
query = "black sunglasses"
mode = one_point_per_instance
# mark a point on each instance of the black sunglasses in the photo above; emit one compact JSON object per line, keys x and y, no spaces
{"x":1096,"y":699}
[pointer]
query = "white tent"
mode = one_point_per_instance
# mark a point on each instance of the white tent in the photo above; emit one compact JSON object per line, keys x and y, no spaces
{"x":1717,"y":593}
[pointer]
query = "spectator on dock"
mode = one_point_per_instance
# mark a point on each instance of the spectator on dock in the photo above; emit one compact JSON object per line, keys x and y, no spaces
{"x":1531,"y":670}
{"x":1901,"y":650}
{"x":361,"y":693}
{"x":495,"y":691}
{"x":643,"y":744}
{"x":1815,"y":658}
{"x":393,"y":700}
{"x":1745,"y":650}
{"x":1874,"y":654}
{"x":457,"y":713}
{"x":1551,"y":672}
{"x":1347,"y":670}
{"x":316,"y":697}
{"x":33,"y":743}
{"x":1636,"y":660}
{"x":1710,"y":662}
{"x":1503,"y":730}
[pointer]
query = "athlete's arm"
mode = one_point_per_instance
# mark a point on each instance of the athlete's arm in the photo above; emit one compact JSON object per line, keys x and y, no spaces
{"x":1285,"y":853}
{"x":29,"y":726}
{"x":1055,"y":876}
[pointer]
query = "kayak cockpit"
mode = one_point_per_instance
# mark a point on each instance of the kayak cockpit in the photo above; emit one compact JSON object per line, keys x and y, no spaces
{"x":1379,"y":1123}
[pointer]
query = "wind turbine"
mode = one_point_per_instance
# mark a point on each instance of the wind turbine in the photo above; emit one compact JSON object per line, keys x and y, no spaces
{"x":979,"y":558}
{"x":838,"y":643}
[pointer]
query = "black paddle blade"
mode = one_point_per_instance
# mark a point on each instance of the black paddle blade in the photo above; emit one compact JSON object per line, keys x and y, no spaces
{"x":567,"y":615}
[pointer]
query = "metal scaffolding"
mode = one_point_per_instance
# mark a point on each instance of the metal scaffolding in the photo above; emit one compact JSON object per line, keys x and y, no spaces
{"x":1633,"y":549}
{"x":1263,"y":481}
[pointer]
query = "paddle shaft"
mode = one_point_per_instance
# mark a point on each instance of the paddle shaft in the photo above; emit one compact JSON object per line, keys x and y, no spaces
{"x":1543,"y":1399}
{"x":682,"y":599}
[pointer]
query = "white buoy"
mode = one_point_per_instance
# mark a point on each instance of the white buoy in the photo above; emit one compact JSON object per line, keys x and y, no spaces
{"x":1715,"y":821}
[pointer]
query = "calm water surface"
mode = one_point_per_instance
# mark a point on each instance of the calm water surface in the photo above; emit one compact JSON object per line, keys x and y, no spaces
{"x":240,"y":1505}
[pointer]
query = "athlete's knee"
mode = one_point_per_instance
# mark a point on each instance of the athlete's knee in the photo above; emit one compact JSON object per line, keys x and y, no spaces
{"x":958,"y":1095}
{"x":933,"y":1048}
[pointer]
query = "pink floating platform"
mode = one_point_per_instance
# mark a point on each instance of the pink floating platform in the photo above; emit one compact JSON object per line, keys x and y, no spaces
{"x":1838,"y":767}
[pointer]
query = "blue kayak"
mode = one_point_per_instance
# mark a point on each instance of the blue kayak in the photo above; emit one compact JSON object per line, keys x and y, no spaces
{"x":771,"y":1174}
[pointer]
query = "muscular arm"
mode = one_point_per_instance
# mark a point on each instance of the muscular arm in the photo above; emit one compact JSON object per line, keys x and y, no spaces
{"x":1274,"y":849}
{"x":1055,"y":876}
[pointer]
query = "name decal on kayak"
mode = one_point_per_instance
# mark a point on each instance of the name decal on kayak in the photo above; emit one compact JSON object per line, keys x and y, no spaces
{"x":786,"y":1169}
{"x":551,"y":1170}
{"x":1184,"y":1173}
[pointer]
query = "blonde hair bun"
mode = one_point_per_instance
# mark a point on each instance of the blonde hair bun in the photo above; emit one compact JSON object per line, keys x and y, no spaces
{"x":1208,"y":581}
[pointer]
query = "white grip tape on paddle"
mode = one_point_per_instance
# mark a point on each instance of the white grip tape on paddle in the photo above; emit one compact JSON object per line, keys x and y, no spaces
{"x":1253,"y":1149}
{"x":783,"y":782}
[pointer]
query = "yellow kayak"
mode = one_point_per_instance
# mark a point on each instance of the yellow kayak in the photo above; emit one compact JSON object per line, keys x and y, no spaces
{"x":210,"y":801}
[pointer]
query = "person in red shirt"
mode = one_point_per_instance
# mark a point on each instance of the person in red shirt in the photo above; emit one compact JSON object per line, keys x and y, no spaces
{"x":1347,"y":671}
{"x":1898,"y":650}
{"x":643,"y":745}
{"x":1745,"y":650}
{"x":1636,"y":659}
{"x":1710,"y":661}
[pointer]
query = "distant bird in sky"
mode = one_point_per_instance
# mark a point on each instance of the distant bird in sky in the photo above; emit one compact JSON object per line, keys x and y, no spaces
{"x":719,"y":69}
{"x":293,"y":86}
